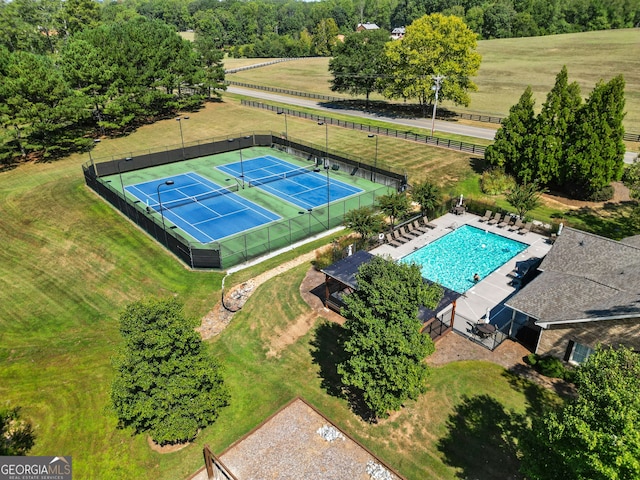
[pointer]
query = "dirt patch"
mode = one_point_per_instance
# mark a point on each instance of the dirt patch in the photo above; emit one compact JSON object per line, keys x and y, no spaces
{"x":288,"y":336}
{"x":620,"y":194}
{"x":166,"y":448}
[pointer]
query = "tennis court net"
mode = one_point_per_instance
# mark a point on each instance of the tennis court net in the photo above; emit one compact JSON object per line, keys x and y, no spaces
{"x":197,"y":198}
{"x":281,"y":176}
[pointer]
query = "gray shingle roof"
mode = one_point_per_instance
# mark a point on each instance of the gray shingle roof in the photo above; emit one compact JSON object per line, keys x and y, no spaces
{"x":585,"y":277}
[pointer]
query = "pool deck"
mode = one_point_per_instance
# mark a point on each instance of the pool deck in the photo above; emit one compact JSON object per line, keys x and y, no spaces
{"x":492,"y":291}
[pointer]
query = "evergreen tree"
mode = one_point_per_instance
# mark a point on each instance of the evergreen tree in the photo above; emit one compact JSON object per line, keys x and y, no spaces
{"x":165,"y":384}
{"x":512,"y":148}
{"x":384,"y":346}
{"x":595,"y":157}
{"x":553,"y":129}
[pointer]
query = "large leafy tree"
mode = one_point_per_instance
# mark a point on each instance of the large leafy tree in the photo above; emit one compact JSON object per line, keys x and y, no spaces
{"x":394,"y":205}
{"x":166,"y":384}
{"x":358,"y":63}
{"x":384,"y":347}
{"x":597,"y":435}
{"x":595,"y":156}
{"x":512,"y":148}
{"x":434,"y":45}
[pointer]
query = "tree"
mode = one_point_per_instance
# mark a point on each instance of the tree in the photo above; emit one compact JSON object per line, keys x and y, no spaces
{"x":394,"y":205}
{"x":16,"y":434}
{"x":433,"y":45}
{"x":426,"y":194}
{"x":596,"y":435}
{"x":595,"y":156}
{"x":358,"y":63}
{"x":364,"y":221}
{"x":165,"y":382}
{"x":553,"y":127}
{"x":512,"y":147}
{"x":525,"y":198}
{"x":325,"y":37}
{"x":384,"y":347}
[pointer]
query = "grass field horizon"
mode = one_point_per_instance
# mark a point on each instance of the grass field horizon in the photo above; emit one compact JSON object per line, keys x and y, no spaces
{"x":508,"y":67}
{"x":70,"y":263}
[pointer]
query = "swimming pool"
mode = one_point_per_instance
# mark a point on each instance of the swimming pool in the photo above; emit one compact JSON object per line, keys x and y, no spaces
{"x":453,"y":259}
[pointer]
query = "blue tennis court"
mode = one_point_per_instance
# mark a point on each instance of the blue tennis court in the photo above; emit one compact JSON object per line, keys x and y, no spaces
{"x":303,"y":187}
{"x":201,"y":208}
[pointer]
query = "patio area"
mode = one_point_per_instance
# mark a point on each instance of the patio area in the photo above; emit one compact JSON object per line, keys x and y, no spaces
{"x":488,"y":295}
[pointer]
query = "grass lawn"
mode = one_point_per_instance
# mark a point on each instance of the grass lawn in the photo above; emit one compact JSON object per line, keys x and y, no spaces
{"x":508,"y":66}
{"x":421,"y":441}
{"x":69,"y":263}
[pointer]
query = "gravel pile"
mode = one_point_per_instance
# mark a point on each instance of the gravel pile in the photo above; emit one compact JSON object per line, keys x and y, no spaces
{"x":377,"y":471}
{"x":330,"y":433}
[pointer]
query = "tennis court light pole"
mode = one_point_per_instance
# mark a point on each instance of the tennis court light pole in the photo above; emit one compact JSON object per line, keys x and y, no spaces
{"x":436,"y":88}
{"x":326,"y":167}
{"x":375,"y":161}
{"x":124,"y":196}
{"x":164,"y":228}
{"x":179,"y":120}
{"x":241,"y":165}
{"x":95,"y":142}
{"x":286,"y":128}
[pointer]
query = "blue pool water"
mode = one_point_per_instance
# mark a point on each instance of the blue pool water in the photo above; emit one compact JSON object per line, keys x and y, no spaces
{"x":453,"y":259}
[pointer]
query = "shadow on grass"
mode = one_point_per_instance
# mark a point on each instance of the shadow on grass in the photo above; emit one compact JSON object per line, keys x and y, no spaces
{"x":328,"y":352}
{"x":482,"y":439}
{"x":616,"y":223}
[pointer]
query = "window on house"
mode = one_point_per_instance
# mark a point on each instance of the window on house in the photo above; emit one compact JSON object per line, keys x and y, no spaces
{"x":580,"y":353}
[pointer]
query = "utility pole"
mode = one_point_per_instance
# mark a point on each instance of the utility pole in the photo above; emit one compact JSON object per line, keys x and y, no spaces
{"x":436,"y":88}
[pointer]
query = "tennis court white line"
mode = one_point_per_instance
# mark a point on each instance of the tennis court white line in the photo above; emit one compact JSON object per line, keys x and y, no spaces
{"x":191,"y":224}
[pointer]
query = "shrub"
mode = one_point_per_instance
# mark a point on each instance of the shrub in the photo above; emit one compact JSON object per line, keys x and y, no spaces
{"x":495,"y":181}
{"x":602,"y":195}
{"x":550,"y":367}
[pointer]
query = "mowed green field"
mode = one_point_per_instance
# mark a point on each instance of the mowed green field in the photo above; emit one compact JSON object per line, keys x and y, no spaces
{"x":69,"y":264}
{"x":508,"y":66}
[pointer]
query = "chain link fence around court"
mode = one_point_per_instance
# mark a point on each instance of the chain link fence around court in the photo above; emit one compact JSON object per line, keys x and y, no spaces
{"x":244,"y":246}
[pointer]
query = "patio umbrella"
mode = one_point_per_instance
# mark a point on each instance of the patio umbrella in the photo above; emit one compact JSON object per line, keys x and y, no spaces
{"x":487,"y":315}
{"x":460,"y":203}
{"x":560,"y":228}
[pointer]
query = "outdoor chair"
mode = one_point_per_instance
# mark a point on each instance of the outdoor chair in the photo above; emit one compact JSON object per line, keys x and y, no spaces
{"x":419,"y":228}
{"x":409,"y":232}
{"x":427,"y":224}
{"x":517,"y":225}
{"x":495,"y":219}
{"x":506,"y":222}
{"x":487,"y":216}
{"x":525,"y":229}
{"x":399,"y":238}
{"x":392,"y":242}
{"x":405,"y":235}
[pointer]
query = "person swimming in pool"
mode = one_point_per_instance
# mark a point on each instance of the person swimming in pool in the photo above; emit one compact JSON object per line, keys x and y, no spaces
{"x":476,"y":277}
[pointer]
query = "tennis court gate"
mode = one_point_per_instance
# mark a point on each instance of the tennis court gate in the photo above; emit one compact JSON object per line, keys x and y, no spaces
{"x":265,"y":240}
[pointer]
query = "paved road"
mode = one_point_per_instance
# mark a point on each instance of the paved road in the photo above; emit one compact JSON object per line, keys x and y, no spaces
{"x":440,"y":125}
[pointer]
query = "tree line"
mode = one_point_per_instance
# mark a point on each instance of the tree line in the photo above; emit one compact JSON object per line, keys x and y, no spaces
{"x":101,"y":79}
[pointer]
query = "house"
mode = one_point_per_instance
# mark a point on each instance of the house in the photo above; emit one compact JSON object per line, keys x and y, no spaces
{"x":366,"y":26}
{"x":397,"y":33}
{"x":588,"y":293}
